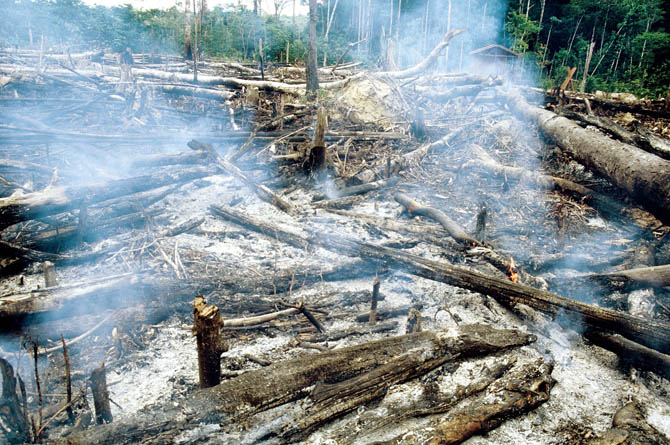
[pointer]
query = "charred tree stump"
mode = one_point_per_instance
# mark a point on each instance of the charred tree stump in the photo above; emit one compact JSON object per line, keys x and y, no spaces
{"x":14,"y":423}
{"x":207,"y":327}
{"x":317,"y":155}
{"x":103,"y":410}
{"x":413,"y":321}
{"x":373,"y":300}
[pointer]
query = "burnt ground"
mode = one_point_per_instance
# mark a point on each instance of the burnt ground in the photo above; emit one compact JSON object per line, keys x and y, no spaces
{"x":96,"y":130}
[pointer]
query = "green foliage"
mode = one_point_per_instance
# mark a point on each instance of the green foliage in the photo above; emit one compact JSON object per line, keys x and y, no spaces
{"x":631,"y":52}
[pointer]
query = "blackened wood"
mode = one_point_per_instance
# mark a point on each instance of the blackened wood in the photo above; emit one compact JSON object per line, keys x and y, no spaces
{"x":68,"y":381}
{"x":14,"y":423}
{"x":519,"y":391}
{"x":373,"y":300}
{"x":285,"y":381}
{"x":644,"y":176}
{"x":308,"y":314}
{"x":654,"y":334}
{"x":207,"y":323}
{"x":103,"y":409}
{"x":261,"y":190}
{"x":455,"y":230}
{"x":632,"y":353}
{"x":55,"y":200}
{"x":658,"y":276}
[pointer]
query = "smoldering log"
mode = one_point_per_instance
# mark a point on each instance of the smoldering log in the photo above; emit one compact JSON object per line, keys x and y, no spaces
{"x":657,"y":276}
{"x":654,"y":334}
{"x":55,"y":200}
{"x":644,"y":176}
{"x":285,"y":381}
{"x":105,"y":289}
{"x":632,"y":353}
{"x":598,"y":200}
{"x":261,"y":190}
{"x":414,"y":208}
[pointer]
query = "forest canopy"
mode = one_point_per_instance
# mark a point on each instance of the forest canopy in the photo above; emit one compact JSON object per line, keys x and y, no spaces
{"x":620,"y":45}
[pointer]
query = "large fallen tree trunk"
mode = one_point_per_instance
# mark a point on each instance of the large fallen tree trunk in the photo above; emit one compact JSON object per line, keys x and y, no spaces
{"x":55,"y":200}
{"x":644,"y":176}
{"x":286,"y":381}
{"x":653,"y":334}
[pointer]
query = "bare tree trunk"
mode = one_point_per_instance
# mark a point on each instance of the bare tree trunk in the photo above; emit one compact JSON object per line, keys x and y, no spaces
{"x":312,"y":75}
{"x":188,"y":50}
{"x":589,"y":55}
{"x":195,"y":43}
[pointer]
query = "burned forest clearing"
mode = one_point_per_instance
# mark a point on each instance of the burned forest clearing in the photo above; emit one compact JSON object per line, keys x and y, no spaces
{"x":405,"y":257}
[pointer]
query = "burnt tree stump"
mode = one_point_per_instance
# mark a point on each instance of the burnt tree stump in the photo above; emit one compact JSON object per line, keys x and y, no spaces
{"x":207,"y":323}
{"x":103,"y":410}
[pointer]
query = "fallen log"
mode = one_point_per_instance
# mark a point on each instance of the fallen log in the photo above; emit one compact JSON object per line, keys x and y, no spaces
{"x":591,"y":197}
{"x":453,"y":229}
{"x":645,"y":140}
{"x":657,"y":276}
{"x":420,"y":67}
{"x":55,"y":200}
{"x":654,"y":334}
{"x":285,"y":381}
{"x":261,"y":190}
{"x":126,"y":287}
{"x":645,"y":177}
{"x":657,"y":145}
{"x":630,"y":426}
{"x":631,"y":353}
{"x":328,"y":401}
{"x":517,"y":392}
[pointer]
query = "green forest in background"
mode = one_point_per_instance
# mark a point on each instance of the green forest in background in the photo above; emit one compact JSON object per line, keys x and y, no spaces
{"x":628,"y":40}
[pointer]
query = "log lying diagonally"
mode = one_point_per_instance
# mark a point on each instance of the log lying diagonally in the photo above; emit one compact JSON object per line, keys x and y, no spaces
{"x":644,"y":176}
{"x":286,"y":381}
{"x":654,"y":334}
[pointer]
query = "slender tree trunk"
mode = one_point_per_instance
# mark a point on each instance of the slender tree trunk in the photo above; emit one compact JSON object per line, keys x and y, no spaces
{"x":188,"y":50}
{"x":644,"y":44}
{"x":195,"y":43}
{"x":572,"y":40}
{"x":391,"y":21}
{"x":424,"y":43}
{"x":589,"y":54}
{"x":446,"y":53}
{"x":312,"y":79}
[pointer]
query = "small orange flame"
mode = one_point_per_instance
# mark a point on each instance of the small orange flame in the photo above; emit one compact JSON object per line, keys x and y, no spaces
{"x":511,"y":271}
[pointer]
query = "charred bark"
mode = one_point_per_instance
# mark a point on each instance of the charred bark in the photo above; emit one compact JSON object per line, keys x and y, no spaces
{"x":61,"y":199}
{"x":653,"y":334}
{"x":282,"y":382}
